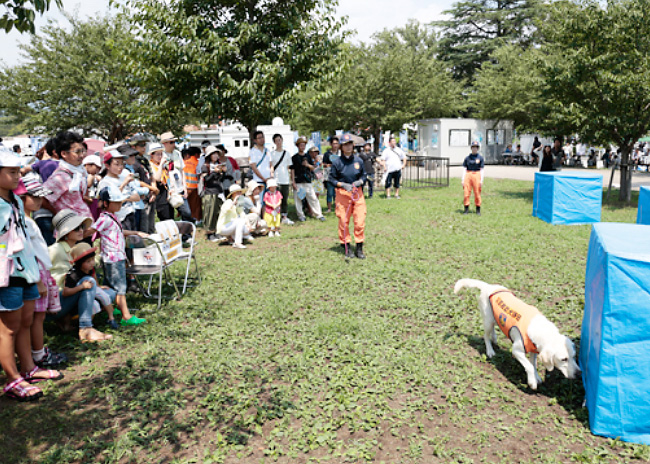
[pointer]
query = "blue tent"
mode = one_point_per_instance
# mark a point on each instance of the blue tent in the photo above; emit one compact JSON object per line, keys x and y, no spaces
{"x":615,"y":341}
{"x":561,"y":198}
{"x":643,"y":211}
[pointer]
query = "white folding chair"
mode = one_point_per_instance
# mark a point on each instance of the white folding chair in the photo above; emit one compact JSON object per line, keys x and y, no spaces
{"x":171,"y":234}
{"x":149,"y":260}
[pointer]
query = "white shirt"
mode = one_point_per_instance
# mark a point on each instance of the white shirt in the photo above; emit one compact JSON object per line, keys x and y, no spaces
{"x":262,"y":162}
{"x":282,"y":171}
{"x":127,"y":207}
{"x":393,"y":158}
{"x":176,"y":158}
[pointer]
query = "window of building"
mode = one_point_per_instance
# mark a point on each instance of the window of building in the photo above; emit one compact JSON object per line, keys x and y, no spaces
{"x":459,"y":137}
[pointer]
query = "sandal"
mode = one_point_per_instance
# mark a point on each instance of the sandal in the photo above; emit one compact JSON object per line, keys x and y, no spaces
{"x":49,"y":375}
{"x":14,"y":391}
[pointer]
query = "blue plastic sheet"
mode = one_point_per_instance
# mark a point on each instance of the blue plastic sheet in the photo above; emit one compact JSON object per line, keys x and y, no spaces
{"x":561,"y":198}
{"x":643,"y":211}
{"x":615,"y":341}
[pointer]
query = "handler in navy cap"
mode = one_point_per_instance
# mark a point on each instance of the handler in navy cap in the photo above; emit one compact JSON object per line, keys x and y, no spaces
{"x":348,"y":176}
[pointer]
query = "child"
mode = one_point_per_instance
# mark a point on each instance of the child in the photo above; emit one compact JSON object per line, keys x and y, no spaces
{"x":31,"y":192}
{"x":272,"y":203}
{"x":113,"y":249}
{"x":18,"y":289}
{"x":69,"y":229}
{"x":83,"y":259}
{"x":93,"y":164}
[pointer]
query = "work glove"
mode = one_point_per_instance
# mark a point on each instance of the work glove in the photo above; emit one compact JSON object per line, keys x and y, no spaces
{"x":347,"y":187}
{"x":357,"y":183}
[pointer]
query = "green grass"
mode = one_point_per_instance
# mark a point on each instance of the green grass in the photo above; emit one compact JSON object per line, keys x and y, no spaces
{"x":287,"y":353}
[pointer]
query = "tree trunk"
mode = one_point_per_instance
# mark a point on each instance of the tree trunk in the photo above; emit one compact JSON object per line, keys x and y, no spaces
{"x":376,"y":134}
{"x":625,"y":192}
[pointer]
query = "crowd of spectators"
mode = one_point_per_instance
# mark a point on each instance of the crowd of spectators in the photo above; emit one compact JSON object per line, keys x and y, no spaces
{"x":53,"y":211}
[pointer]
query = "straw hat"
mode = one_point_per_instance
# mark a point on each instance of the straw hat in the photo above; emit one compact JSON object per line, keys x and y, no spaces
{"x":153,"y":147}
{"x":66,"y":221}
{"x":234,"y":188}
{"x":301,"y":139}
{"x":250,"y":186}
{"x":81,"y":251}
{"x":167,"y":137}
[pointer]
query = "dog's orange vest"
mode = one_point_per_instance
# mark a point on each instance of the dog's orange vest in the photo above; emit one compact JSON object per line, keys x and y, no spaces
{"x":510,"y":313}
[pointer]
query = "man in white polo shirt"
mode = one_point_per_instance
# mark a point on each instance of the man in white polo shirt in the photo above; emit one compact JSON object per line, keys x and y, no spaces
{"x":393,"y":159}
{"x":259,"y":159}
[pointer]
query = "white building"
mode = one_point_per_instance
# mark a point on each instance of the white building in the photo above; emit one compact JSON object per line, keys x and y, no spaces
{"x":236,"y":138}
{"x":451,"y":138}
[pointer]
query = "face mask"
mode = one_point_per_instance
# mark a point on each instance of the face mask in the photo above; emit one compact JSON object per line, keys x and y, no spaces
{"x":257,"y":197}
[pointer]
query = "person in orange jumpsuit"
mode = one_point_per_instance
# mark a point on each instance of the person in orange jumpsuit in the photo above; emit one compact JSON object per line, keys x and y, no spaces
{"x":473,"y":178}
{"x":348,"y":176}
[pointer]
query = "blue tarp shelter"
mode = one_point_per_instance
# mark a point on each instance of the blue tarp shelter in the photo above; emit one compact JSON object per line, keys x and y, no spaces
{"x":643,"y":211}
{"x":563,"y":198}
{"x":615,"y":341}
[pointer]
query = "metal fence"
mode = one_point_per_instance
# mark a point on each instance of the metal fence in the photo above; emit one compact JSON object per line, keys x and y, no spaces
{"x":425,"y":171}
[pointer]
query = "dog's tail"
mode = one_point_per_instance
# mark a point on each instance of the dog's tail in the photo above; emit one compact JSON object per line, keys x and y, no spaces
{"x":471,"y":283}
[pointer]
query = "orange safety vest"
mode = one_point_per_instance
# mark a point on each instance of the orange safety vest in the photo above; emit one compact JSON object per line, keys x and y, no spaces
{"x":191,"y":177}
{"x":510,"y":313}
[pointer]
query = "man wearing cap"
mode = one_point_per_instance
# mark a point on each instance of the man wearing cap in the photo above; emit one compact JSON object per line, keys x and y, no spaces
{"x":393,"y":160}
{"x":348,"y":176}
{"x":473,"y":178}
{"x":68,"y":183}
{"x":301,"y":177}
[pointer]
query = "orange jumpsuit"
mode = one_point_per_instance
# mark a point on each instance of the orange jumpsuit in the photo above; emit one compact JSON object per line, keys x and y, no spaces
{"x":472,"y":182}
{"x":351,"y":204}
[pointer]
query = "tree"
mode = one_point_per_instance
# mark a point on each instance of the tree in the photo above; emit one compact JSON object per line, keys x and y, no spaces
{"x":593,"y":62}
{"x":75,"y":79}
{"x":478,"y":27}
{"x":395,"y":80}
{"x":20,"y":14}
{"x":234,"y":59}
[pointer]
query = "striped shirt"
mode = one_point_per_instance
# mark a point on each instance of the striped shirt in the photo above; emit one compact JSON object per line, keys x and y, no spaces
{"x":113,"y":244}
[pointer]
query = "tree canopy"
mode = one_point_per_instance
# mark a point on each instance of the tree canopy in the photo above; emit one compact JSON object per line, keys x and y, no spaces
{"x":476,"y":28}
{"x":233,"y":59}
{"x":20,"y":14}
{"x":74,"y":78}
{"x":395,"y":80}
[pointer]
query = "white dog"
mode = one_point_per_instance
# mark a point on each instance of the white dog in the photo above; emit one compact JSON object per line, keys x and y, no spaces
{"x":526,"y":327}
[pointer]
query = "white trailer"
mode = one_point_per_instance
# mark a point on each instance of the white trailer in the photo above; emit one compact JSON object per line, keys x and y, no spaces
{"x":451,"y":138}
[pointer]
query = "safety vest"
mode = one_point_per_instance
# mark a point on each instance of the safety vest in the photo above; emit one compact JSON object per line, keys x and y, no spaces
{"x":510,"y":313}
{"x":191,"y":177}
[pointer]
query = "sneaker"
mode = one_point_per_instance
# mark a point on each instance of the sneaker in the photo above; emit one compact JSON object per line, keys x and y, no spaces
{"x":277,"y":233}
{"x":322,"y":218}
{"x":113,"y":324}
{"x":397,"y":197}
{"x":134,"y":320}
{"x":249,"y":238}
{"x":271,"y":234}
{"x":287,"y":221}
{"x":301,"y":219}
{"x":238,"y":245}
{"x":51,"y":359}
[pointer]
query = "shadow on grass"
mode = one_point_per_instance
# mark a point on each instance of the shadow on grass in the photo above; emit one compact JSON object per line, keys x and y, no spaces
{"x":569,"y":393}
{"x":526,"y":195}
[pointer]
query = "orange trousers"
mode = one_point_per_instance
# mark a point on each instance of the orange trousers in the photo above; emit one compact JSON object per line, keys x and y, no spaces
{"x":472,"y":182}
{"x":351,"y":204}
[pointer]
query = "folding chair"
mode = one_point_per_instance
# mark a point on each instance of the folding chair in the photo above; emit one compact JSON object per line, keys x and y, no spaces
{"x":149,"y":260}
{"x":171,"y":233}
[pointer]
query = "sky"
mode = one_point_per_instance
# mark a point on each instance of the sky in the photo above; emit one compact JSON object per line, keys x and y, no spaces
{"x":365,"y":16}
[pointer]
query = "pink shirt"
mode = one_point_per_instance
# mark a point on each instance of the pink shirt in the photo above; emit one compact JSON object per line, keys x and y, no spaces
{"x":273,"y":198}
{"x":61,"y":196}
{"x":113,"y":244}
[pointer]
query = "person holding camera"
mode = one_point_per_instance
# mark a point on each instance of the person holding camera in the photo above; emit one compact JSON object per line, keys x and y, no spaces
{"x":218,"y":174}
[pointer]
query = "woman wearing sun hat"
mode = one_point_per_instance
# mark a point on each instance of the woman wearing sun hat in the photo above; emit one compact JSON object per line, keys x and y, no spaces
{"x":232,"y":221}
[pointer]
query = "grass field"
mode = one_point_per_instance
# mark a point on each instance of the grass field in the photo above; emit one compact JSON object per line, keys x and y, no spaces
{"x":289,"y":354}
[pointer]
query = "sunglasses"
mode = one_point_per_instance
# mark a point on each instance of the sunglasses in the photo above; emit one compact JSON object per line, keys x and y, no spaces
{"x":79,"y":229}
